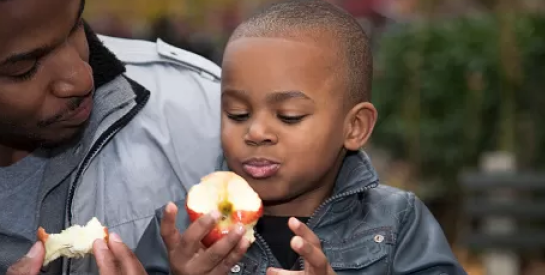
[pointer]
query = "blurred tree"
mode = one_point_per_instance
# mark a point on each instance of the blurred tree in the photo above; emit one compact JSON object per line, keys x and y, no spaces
{"x":146,"y":10}
{"x":450,"y":90}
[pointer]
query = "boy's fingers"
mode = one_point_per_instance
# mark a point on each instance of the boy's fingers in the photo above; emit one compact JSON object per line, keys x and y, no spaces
{"x":219,"y":251}
{"x":234,"y":257}
{"x":278,"y":271}
{"x":128,"y":263}
{"x":169,"y":232}
{"x":190,"y":241}
{"x":315,"y":261}
{"x":302,"y":230}
{"x":308,"y":246}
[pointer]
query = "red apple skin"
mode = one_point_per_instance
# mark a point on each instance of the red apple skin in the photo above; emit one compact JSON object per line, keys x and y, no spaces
{"x":223,"y":228}
{"x":42,"y":235}
{"x":246,"y":217}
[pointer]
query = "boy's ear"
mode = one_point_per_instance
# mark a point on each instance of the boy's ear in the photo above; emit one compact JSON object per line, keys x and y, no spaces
{"x":359,"y":125}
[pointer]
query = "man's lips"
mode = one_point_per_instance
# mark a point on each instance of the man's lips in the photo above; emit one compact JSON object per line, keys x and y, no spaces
{"x":81,"y":113}
{"x":260,"y":168}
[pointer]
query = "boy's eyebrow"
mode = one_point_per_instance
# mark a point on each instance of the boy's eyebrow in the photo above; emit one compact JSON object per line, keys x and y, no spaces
{"x":279,"y":96}
{"x":233,"y":92}
{"x":274,"y":97}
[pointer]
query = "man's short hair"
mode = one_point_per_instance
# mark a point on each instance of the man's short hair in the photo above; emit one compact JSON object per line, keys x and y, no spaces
{"x":317,"y":19}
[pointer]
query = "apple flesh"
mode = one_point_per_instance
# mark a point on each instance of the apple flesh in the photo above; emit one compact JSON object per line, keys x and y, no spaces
{"x":233,"y":197}
{"x":73,"y":242}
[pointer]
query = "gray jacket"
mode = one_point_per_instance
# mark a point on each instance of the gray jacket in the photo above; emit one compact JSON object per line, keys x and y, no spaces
{"x":151,"y":146}
{"x":154,"y":132}
{"x":364,"y":228}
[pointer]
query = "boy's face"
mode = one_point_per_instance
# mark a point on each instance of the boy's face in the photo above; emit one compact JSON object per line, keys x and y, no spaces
{"x":284,"y":128}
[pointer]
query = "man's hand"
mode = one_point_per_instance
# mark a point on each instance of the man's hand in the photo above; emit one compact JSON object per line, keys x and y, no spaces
{"x":186,"y":253}
{"x":307,"y":245}
{"x":116,"y":258}
{"x":31,"y":263}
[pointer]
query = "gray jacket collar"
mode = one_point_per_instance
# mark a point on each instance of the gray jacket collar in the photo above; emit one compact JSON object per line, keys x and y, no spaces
{"x":112,"y":101}
{"x":114,"y":97}
{"x":356,"y":172}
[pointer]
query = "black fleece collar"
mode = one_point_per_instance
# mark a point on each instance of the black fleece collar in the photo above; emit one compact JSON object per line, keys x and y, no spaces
{"x":106,"y":67}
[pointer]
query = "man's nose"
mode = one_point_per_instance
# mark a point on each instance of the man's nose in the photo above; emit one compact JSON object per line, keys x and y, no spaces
{"x":72,"y":76}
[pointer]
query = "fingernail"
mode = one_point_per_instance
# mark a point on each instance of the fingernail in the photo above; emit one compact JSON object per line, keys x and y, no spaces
{"x":295,"y":222}
{"x":297,"y":242}
{"x":240,"y":229}
{"x":33,"y":252}
{"x":170,"y":207}
{"x":114,"y":237}
{"x":215,"y":215}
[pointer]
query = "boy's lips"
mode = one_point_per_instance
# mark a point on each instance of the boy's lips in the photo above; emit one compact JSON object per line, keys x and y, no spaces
{"x":260,"y":168}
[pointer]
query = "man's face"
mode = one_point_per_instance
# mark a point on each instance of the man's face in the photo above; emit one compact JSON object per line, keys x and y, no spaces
{"x":282,"y":116}
{"x":46,"y":82}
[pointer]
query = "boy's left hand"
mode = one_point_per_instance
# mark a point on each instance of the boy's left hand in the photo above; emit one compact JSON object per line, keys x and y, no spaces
{"x":307,"y":245}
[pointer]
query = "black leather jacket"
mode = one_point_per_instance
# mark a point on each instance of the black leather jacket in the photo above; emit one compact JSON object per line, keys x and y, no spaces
{"x":364,"y":228}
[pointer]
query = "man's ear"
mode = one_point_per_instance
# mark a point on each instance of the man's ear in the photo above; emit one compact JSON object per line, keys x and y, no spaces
{"x":359,"y":124}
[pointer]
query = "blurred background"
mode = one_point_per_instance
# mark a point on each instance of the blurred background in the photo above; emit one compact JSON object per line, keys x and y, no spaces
{"x":459,"y":88}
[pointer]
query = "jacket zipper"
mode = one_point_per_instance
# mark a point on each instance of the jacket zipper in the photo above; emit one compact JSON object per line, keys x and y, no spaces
{"x":105,"y":137}
{"x":268,"y":252}
{"x":317,"y":213}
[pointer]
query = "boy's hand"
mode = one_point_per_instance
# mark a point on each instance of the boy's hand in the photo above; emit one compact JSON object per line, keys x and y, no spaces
{"x":307,"y":245}
{"x":186,"y":253}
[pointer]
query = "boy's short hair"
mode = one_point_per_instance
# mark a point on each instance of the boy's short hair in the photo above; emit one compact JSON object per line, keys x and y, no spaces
{"x":317,"y":19}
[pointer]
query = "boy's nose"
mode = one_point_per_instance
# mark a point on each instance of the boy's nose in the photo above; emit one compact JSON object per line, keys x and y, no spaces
{"x":259,"y":134}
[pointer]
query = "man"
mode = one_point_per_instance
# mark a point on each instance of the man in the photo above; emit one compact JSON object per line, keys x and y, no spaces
{"x":87,"y":129}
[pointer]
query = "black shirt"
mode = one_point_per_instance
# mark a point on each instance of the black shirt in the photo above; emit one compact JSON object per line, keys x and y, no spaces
{"x":278,"y":235}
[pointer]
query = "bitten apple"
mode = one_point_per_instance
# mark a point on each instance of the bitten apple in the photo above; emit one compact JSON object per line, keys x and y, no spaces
{"x":73,"y":242}
{"x":232,"y":196}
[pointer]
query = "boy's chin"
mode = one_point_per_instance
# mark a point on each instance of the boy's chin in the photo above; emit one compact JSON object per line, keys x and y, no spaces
{"x":271,"y":199}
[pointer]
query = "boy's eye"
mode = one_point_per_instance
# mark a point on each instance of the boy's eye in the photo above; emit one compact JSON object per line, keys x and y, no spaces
{"x":238,"y":117}
{"x":291,"y":119}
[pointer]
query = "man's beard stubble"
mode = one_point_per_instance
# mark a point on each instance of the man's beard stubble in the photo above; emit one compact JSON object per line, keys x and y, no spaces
{"x":72,"y":105}
{"x":28,"y":140}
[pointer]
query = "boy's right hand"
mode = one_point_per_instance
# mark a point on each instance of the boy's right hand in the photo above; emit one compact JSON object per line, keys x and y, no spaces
{"x":187,"y":255}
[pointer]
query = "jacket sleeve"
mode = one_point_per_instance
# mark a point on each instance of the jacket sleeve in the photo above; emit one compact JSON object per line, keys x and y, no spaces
{"x":421,"y":246}
{"x":151,"y":250}
{"x":181,"y":121}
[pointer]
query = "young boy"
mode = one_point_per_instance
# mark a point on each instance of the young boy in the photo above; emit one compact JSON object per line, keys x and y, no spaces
{"x":295,"y":112}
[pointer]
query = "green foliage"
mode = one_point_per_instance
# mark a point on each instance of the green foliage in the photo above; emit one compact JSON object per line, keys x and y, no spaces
{"x":442,"y":92}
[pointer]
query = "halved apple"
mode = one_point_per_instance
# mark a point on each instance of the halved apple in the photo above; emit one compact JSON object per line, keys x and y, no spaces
{"x":73,"y":242}
{"x":232,"y":196}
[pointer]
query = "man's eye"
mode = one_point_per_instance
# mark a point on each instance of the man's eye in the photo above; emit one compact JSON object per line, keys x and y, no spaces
{"x":28,"y":74}
{"x":291,"y":119}
{"x":238,"y":117}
